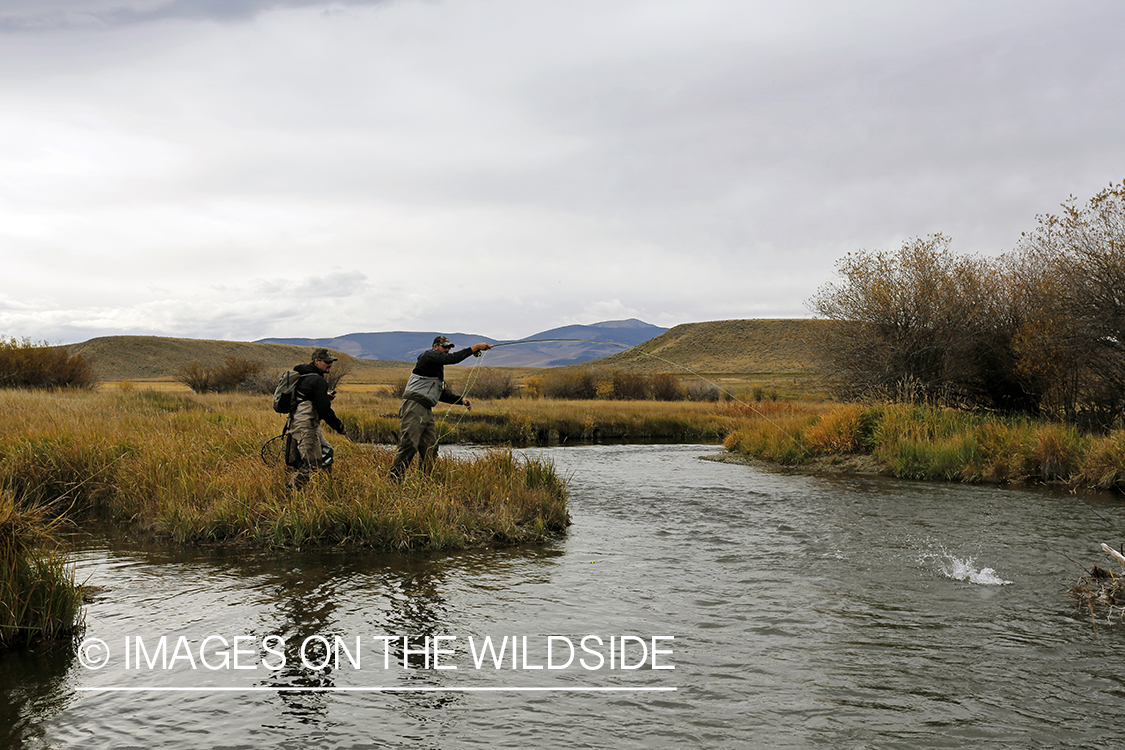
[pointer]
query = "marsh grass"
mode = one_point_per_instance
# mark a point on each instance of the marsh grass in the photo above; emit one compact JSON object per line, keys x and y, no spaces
{"x":187,"y":468}
{"x":920,"y":441}
{"x":1102,"y":464}
{"x":542,"y":421}
{"x":38,"y":597}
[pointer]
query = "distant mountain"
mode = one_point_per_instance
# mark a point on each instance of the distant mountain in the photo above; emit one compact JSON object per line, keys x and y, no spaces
{"x":403,"y":346}
{"x":567,"y":345}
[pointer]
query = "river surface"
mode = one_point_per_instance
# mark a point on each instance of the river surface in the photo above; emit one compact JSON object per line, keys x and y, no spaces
{"x":752,"y":608}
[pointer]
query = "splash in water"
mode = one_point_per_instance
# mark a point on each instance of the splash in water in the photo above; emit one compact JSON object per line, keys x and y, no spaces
{"x":963,"y":569}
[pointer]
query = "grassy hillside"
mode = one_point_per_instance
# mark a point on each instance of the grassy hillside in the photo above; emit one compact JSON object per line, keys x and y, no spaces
{"x":117,"y":358}
{"x":724,"y":347}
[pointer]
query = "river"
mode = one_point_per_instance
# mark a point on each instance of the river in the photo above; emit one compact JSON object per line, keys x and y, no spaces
{"x":692,"y":603}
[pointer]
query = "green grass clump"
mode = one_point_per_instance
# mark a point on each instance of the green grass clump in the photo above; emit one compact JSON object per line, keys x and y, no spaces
{"x":38,"y":597}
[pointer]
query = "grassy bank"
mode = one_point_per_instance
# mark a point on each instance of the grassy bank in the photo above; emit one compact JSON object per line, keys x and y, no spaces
{"x":38,"y":597}
{"x":925,"y":442}
{"x":374,"y":418}
{"x":187,"y":468}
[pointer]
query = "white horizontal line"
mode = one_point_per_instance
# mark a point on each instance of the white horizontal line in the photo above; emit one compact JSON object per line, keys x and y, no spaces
{"x":375,"y":689}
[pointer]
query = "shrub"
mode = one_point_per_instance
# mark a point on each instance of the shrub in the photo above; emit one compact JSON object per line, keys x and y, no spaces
{"x":488,"y":382}
{"x":576,"y":383}
{"x":701,"y":390}
{"x":196,"y":376}
{"x":590,"y":383}
{"x":631,"y":386}
{"x":925,"y":315}
{"x":236,"y":373}
{"x":667,"y":387}
{"x":1040,"y":331}
{"x":261,"y":383}
{"x":24,"y":364}
{"x":1077,"y":343}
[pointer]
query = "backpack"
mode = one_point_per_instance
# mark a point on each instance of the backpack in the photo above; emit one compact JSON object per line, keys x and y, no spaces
{"x":285,"y":394}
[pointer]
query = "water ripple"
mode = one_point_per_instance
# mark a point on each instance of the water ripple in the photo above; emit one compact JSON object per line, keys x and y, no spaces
{"x":805,"y":611}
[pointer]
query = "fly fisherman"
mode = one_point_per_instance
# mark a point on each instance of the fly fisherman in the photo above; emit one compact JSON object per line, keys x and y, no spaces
{"x":424,"y":389}
{"x":314,"y":403}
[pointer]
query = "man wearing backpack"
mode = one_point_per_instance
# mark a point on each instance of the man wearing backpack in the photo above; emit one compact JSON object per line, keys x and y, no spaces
{"x":313,"y":404}
{"x":424,"y":389}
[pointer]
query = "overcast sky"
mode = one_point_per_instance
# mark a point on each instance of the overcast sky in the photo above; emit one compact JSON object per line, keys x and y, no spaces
{"x":237,"y":169}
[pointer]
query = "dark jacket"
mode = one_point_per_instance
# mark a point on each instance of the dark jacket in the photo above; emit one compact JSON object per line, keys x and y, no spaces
{"x":427,"y":380}
{"x":313,"y":387}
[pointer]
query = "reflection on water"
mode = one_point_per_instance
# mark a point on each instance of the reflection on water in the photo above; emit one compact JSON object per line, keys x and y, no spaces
{"x":806,"y":611}
{"x":35,"y":687}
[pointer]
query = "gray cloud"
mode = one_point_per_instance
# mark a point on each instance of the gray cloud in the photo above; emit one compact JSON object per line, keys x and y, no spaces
{"x":507,"y":167}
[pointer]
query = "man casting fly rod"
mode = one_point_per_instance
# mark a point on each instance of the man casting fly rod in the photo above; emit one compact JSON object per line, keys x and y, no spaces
{"x":424,"y":389}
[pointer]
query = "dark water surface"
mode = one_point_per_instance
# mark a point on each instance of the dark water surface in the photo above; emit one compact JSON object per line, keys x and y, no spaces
{"x":803,"y":612}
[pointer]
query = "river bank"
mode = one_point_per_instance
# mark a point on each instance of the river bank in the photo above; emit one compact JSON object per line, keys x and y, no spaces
{"x":919,"y":441}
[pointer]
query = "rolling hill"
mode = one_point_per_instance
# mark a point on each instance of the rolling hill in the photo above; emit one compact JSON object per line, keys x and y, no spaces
{"x":160,"y":358}
{"x":773,"y":347}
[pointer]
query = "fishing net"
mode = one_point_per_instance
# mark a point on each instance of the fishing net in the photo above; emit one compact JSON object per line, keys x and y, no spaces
{"x":283,"y":450}
{"x":280,"y":450}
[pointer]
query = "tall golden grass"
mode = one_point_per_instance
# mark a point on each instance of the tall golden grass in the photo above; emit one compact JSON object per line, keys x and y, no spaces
{"x":187,"y":467}
{"x":921,"y":441}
